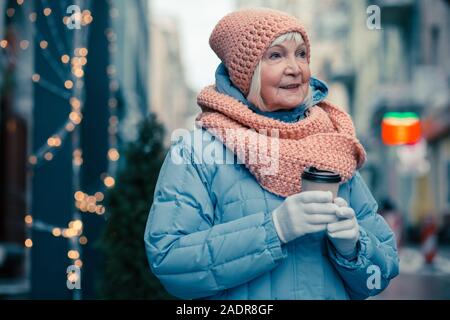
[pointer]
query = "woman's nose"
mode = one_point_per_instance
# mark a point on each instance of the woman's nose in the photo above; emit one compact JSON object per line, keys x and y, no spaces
{"x":292,"y":67}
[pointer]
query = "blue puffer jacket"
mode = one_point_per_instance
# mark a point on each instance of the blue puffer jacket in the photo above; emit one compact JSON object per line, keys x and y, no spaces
{"x":210,"y":235}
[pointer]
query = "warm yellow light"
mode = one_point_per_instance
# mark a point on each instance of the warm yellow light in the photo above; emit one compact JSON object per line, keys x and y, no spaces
{"x":48,"y":156}
{"x":73,"y":254}
{"x":32,"y":160}
{"x":36,"y":77}
{"x":56,"y":232}
{"x":78,"y":263}
{"x":83,"y":52}
{"x":83,"y":240}
{"x":77,"y":224}
{"x":79,"y":196}
{"x":28,"y":219}
{"x":75,"y":117}
{"x":76,"y":16}
{"x":28,"y":243}
{"x":4,"y":43}
{"x":113,"y":154}
{"x":78,"y":72}
{"x":65,"y":58}
{"x":83,"y":61}
{"x":109,"y":182}
{"x":91,"y":207}
{"x":77,"y":153}
{"x":100,"y":210}
{"x":68,"y":84}
{"x":86,"y":17}
{"x":70,"y":127}
{"x":78,"y":161}
{"x":57,"y":141}
{"x":47,"y":12}
{"x":72,"y":277}
{"x":76,"y":61}
{"x":24,"y":44}
{"x":19,"y":2}
{"x":83,"y":206}
{"x":54,"y":141}
{"x":43,"y":44}
{"x":71,"y":232}
{"x":99,"y":196}
{"x":75,"y":103}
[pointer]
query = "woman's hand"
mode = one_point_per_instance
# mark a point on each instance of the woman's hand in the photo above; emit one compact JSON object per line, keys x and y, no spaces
{"x":344,"y":234}
{"x":303,"y":213}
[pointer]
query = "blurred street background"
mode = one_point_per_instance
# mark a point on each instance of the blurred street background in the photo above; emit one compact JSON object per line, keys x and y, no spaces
{"x":91,"y":90}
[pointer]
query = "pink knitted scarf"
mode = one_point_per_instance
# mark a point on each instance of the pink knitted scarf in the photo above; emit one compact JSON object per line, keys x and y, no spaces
{"x":325,"y":139}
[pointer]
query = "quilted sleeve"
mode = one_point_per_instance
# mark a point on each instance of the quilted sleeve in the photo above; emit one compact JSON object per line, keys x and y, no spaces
{"x":377,"y":260}
{"x":191,"y":255}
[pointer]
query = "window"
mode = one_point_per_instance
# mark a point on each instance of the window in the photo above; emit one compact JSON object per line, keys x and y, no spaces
{"x":435,"y":38}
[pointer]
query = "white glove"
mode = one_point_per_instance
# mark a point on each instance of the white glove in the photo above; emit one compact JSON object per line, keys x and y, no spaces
{"x":303,"y":213}
{"x":344,"y":234}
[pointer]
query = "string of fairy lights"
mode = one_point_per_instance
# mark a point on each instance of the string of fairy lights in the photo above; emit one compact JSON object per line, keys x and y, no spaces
{"x":69,"y":68}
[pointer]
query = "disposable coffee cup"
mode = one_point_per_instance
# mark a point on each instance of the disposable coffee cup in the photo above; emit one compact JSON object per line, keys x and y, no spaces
{"x":322,"y":180}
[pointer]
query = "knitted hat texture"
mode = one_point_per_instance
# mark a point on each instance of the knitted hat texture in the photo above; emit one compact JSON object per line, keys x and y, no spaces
{"x":240,"y":39}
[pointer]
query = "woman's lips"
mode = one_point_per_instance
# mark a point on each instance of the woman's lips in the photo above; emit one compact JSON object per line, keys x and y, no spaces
{"x":291,"y":88}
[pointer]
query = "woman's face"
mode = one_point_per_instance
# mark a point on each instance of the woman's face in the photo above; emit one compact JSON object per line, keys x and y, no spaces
{"x":285,"y":76}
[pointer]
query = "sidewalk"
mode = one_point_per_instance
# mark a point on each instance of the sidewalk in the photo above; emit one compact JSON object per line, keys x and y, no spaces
{"x":417,"y":280}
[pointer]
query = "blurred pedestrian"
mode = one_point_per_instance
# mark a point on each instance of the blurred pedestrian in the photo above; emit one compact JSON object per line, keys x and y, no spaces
{"x":393,"y":218}
{"x":232,"y":231}
{"x":429,"y":238}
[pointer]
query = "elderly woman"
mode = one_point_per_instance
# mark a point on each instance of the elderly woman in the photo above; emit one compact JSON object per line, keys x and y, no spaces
{"x":237,"y":230}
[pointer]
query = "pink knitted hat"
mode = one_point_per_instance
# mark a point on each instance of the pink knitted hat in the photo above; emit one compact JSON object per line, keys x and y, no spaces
{"x":241,"y":38}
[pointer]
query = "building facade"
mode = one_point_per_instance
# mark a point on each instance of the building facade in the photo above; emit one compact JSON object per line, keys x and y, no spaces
{"x":74,"y":86}
{"x":171,"y":98}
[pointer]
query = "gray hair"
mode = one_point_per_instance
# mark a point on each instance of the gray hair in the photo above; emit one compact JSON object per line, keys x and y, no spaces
{"x":254,"y":95}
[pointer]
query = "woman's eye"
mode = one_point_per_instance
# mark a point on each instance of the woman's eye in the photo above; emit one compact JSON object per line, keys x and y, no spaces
{"x":301,"y":54}
{"x":274,"y":55}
